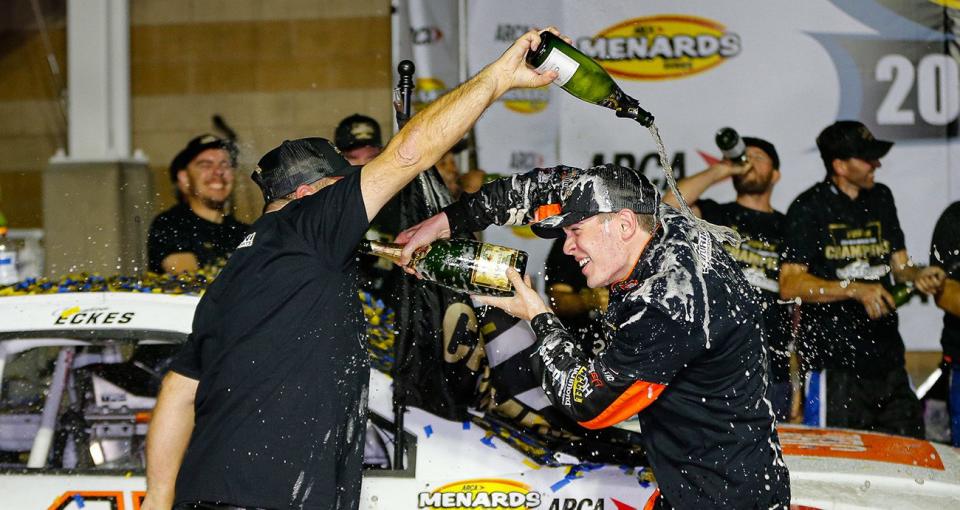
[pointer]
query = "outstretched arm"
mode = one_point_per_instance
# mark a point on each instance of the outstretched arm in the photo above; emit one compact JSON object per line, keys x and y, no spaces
{"x":429,"y":134}
{"x":692,"y":187}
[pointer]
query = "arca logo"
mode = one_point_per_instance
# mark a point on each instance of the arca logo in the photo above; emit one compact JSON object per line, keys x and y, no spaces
{"x":481,"y":493}
{"x":425,"y":35}
{"x":663,"y":47}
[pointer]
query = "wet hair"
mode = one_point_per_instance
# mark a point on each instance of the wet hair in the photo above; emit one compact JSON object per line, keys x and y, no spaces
{"x":646,"y":222}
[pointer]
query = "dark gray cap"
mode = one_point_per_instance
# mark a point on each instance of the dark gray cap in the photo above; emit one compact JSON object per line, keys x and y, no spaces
{"x":296,"y":162}
{"x":846,"y":139}
{"x":600,"y":189}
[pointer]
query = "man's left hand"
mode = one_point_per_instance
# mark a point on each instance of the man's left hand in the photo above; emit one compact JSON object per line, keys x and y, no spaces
{"x":525,"y":303}
{"x":929,"y":280}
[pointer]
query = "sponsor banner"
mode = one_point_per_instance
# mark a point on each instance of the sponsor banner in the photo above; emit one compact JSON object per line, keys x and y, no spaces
{"x":521,"y":131}
{"x":774,"y":69}
{"x":428,"y":34}
{"x":568,"y":494}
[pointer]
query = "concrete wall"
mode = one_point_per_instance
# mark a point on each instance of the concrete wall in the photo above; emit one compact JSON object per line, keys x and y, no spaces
{"x":274,"y":70}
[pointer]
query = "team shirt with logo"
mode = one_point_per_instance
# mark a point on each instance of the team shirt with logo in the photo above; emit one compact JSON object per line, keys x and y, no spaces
{"x":178,"y":229}
{"x":945,"y":252}
{"x":685,"y":356}
{"x":839,"y":238}
{"x":758,"y":255}
{"x":277,"y":346}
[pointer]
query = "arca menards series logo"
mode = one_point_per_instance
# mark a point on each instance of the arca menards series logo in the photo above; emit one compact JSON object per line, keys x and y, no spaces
{"x":662,"y":47}
{"x":481,"y":493}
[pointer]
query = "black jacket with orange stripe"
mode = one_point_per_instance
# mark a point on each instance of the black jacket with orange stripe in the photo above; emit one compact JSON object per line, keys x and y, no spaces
{"x":685,"y":356}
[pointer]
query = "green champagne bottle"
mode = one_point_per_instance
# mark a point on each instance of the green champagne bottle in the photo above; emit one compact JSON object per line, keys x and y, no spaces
{"x":902,"y":292}
{"x":583,"y":77}
{"x":464,"y":265}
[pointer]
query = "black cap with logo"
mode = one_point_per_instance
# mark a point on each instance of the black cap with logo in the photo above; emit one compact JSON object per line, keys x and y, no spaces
{"x":600,"y":189}
{"x":297,"y":162}
{"x":196,"y":146}
{"x":357,"y":131}
{"x":846,"y":139}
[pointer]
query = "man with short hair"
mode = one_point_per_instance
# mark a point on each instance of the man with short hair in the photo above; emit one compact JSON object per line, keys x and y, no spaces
{"x":198,"y":231}
{"x":760,"y":227}
{"x":358,"y":138}
{"x":266,"y":404}
{"x":843,"y":243}
{"x":684,"y":352}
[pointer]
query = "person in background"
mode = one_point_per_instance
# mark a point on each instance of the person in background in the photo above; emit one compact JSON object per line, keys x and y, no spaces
{"x":842,"y":245}
{"x":266,"y":404}
{"x":760,"y":227}
{"x":358,"y":138}
{"x":945,"y":254}
{"x":199,"y":230}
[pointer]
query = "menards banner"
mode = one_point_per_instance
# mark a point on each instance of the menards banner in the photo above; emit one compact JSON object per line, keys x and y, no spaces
{"x":776,"y":69}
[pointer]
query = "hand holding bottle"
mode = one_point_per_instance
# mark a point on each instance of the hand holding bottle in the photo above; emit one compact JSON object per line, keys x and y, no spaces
{"x":525,"y":303}
{"x":511,"y":71}
{"x":929,"y":280}
{"x":422,"y":234}
{"x":876,"y":300}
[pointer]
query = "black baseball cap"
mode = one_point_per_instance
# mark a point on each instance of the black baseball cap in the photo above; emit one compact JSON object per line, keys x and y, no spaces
{"x":296,"y":162}
{"x":196,"y":146}
{"x":600,"y":189}
{"x":357,"y":131}
{"x":846,"y":139}
{"x":765,"y":146}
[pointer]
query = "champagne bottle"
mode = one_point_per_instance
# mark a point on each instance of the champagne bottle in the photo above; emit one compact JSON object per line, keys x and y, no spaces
{"x":902,"y":293}
{"x":731,"y":145}
{"x":464,"y":265}
{"x":583,"y":77}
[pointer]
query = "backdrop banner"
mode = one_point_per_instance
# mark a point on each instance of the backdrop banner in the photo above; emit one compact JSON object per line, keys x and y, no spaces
{"x":775,"y":69}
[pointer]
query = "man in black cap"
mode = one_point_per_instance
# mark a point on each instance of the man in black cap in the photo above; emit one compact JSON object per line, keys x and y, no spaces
{"x":266,"y":404}
{"x":843,"y":244}
{"x":684,"y":349}
{"x":761,"y":234}
{"x":358,"y":138}
{"x":198,"y":231}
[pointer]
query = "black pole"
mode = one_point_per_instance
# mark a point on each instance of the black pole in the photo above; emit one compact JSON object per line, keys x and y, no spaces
{"x":402,"y":104}
{"x":402,"y":94}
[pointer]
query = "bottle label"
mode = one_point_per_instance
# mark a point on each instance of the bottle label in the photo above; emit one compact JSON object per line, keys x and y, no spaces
{"x":491,"y":267}
{"x":561,"y":63}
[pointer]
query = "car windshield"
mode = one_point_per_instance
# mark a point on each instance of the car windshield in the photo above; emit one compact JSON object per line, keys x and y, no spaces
{"x":78,"y":404}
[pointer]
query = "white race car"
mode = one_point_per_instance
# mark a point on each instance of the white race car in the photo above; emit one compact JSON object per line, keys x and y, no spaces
{"x":79,"y":373}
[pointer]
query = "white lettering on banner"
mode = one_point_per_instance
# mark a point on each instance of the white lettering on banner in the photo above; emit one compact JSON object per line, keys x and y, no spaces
{"x":641,"y":48}
{"x":938,"y":96}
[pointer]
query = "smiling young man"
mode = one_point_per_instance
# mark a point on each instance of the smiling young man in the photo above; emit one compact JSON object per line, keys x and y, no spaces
{"x":760,"y":227}
{"x":684,"y":350}
{"x":843,"y":247}
{"x":198,"y":230}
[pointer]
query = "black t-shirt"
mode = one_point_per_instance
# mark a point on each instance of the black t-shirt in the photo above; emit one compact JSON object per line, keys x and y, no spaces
{"x":759,"y":257}
{"x":945,"y":252}
{"x":839,"y":238}
{"x":588,"y":326}
{"x":178,"y":229}
{"x":278,"y":350}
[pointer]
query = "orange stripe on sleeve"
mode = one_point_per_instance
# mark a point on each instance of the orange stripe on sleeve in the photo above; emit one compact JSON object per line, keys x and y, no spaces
{"x":652,"y":502}
{"x":637,"y":397}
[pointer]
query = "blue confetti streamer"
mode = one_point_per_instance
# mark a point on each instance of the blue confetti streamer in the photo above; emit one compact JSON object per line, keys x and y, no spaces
{"x":466,"y":425}
{"x":78,"y":499}
{"x":489,"y":442}
{"x":429,"y":430}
